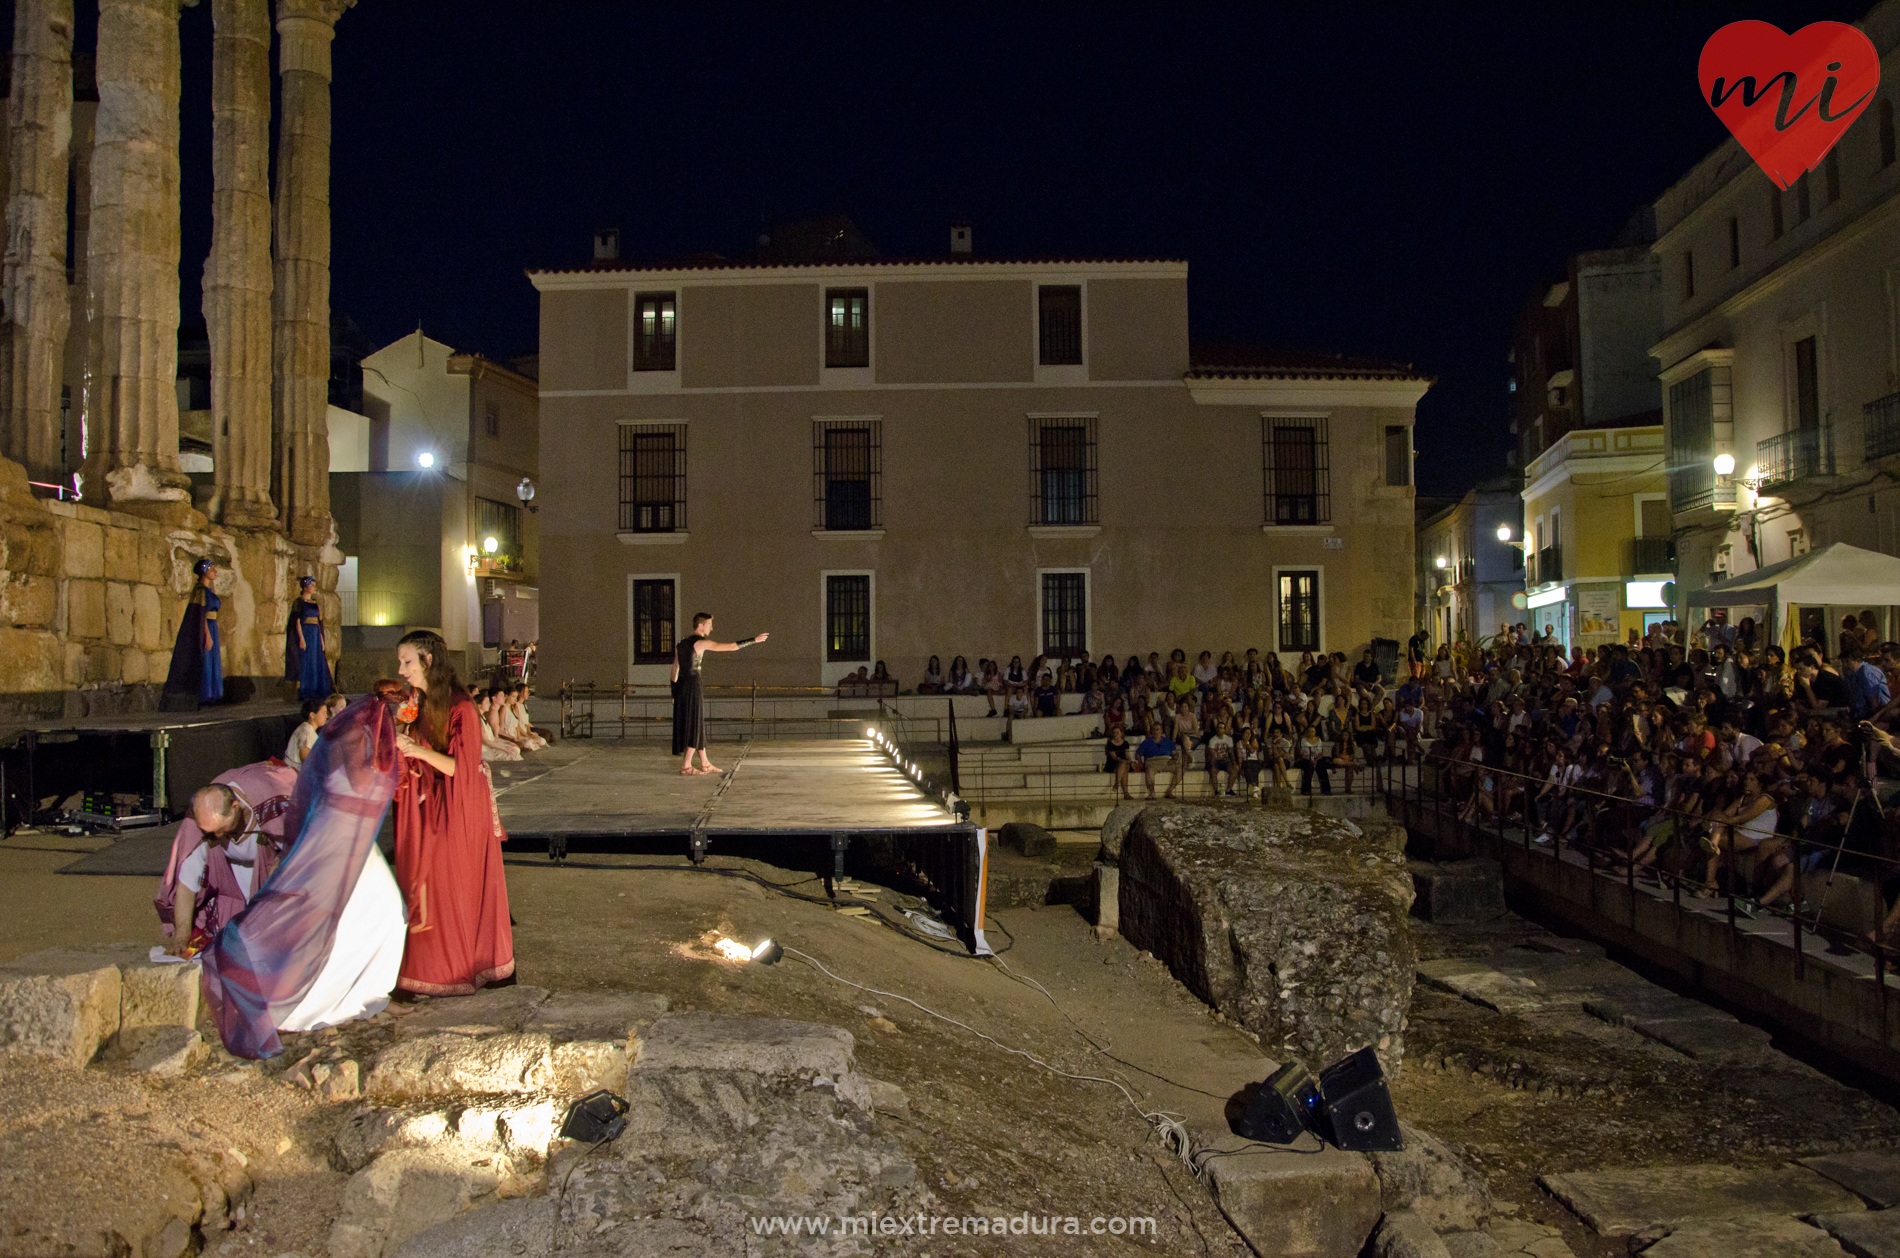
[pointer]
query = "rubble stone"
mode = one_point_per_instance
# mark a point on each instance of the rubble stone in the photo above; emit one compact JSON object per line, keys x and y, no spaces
{"x":1427,"y":1180}
{"x":401,"y":1193}
{"x":763,"y":1046}
{"x":169,"y":1051}
{"x":1291,"y":923}
{"x":485,"y":1012}
{"x":446,"y":1064}
{"x":1403,"y":1234}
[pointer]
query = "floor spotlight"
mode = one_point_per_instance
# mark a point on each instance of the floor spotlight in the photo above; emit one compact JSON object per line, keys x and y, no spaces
{"x":768,"y":952}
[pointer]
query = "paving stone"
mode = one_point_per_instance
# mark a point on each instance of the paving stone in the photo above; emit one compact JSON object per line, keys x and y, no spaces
{"x":486,"y":1012}
{"x":1746,"y":1236}
{"x":1624,"y":1202}
{"x":1457,"y":891}
{"x":1723,"y":1041}
{"x":1470,"y":1245}
{"x":1874,"y":1175}
{"x":1864,"y":1233}
{"x":619,"y":1016}
{"x":762,"y":1046}
{"x":583,"y":1066}
{"x":1287,"y":1204}
{"x":1523,"y":1236}
{"x":1482,"y":984}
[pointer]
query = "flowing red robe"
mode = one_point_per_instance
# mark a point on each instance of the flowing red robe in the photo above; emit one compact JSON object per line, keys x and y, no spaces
{"x":448,"y":864}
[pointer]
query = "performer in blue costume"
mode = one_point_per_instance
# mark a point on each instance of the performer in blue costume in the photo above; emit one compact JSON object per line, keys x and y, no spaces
{"x":197,"y":671}
{"x":304,"y":661}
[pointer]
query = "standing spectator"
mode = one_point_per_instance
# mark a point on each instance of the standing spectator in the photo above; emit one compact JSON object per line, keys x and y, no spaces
{"x":1865,"y":684}
{"x":1415,"y":647}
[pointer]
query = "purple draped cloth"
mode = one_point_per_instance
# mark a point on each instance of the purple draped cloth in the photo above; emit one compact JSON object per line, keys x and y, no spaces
{"x":266,"y":959}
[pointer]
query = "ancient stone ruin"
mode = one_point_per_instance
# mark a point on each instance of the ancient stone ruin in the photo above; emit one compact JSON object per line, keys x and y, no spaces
{"x":91,"y":590}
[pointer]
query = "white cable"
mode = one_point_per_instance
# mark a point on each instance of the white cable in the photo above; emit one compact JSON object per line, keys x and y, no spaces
{"x":1159,"y":1119}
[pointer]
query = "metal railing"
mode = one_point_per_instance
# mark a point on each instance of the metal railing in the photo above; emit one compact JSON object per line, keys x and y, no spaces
{"x":1450,"y":790}
{"x":1880,"y":421}
{"x":1549,"y":565}
{"x":636,"y":709}
{"x":1652,"y":555}
{"x":1796,"y":455}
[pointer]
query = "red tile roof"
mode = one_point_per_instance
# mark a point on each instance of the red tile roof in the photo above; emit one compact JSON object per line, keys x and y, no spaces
{"x":1244,"y":362}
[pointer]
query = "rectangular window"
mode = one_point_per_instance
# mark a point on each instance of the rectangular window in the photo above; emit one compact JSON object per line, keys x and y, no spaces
{"x":848,"y":327}
{"x":1831,"y":174}
{"x":1065,"y":614}
{"x":1398,"y":455}
{"x":1062,"y":471}
{"x":1059,"y":308}
{"x":1299,"y":611}
{"x":846,"y":471}
{"x":1734,"y":243}
{"x":652,"y":478}
{"x":653,"y":622}
{"x":1688,"y":275}
{"x":1807,"y":386}
{"x":1295,"y":471}
{"x":491,"y":419}
{"x":1691,"y":439}
{"x":848,"y":619}
{"x":1775,"y":225}
{"x":502,"y":522}
{"x":654,"y":331}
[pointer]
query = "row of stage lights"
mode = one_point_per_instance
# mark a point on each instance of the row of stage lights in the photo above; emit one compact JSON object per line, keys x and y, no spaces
{"x":928,"y":785}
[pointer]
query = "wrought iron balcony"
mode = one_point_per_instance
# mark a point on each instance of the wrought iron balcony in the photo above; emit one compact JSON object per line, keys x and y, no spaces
{"x":1881,"y":422}
{"x":1652,"y":555}
{"x":1795,"y":456}
{"x":1549,"y":566}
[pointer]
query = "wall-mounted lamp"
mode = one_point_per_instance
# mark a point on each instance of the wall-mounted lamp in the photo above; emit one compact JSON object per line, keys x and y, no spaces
{"x":1725,"y":464}
{"x":490,"y":545}
{"x":1504,"y":532}
{"x":1440,"y":562}
{"x":525,"y":492}
{"x":425,"y":459}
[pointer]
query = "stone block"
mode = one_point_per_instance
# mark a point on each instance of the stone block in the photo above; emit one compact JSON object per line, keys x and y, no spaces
{"x":148,"y":618}
{"x":1875,"y":1176}
{"x":122,"y":555}
{"x":119,"y":613}
{"x":1298,"y":1205}
{"x":402,"y":1193}
{"x":1403,"y":1234}
{"x":370,"y":1130}
{"x":823,"y":1055}
{"x":1108,"y":897}
{"x":32,"y":549}
{"x":446,"y":1064}
{"x":75,"y":663}
{"x":583,"y":1066}
{"x":1747,"y":1236}
{"x":154,"y":557}
{"x":519,"y":1226}
{"x":1625,"y":1202}
{"x":1029,"y":838}
{"x":1289,"y":922}
{"x":85,"y":609}
{"x":58,"y":1005}
{"x":158,"y":995}
{"x":1458,"y":891}
{"x":32,"y":601}
{"x":1427,"y":1180}
{"x":485,"y":1012}
{"x":1115,"y":829}
{"x":618,"y":1017}
{"x":1864,"y":1233}
{"x":132,"y":666}
{"x":83,"y":553}
{"x":31,"y":659}
{"x":169,"y":1052}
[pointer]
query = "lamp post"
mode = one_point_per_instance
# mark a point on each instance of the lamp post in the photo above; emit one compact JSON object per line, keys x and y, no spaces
{"x":525,"y":492}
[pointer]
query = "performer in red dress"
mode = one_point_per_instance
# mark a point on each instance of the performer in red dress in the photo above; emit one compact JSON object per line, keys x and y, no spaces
{"x":448,"y":836}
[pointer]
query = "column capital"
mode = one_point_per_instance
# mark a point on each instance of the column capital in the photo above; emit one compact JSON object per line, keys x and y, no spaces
{"x":306,"y":28}
{"x":325,"y":12}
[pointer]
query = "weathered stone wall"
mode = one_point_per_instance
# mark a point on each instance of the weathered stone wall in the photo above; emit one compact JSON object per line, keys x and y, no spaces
{"x":90,"y":599}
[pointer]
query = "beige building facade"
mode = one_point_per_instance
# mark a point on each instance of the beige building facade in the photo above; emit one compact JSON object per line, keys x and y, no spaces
{"x":884,"y":461}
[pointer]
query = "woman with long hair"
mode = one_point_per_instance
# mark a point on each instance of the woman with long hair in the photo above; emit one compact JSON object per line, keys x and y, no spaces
{"x":197,"y":671}
{"x":448,"y":835}
{"x":304,"y":661}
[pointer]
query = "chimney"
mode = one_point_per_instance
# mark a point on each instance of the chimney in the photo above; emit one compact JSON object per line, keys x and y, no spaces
{"x":607,"y":244}
{"x":959,"y":236}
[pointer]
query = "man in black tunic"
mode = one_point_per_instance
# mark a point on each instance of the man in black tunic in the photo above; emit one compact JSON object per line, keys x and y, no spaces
{"x":689,"y":711}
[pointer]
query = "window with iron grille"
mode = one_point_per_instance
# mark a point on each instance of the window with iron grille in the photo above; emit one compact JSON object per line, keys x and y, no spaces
{"x":848,"y":618}
{"x":1299,"y":611}
{"x":652,"y":478}
{"x":1062,"y":470}
{"x":848,"y":327}
{"x":491,"y":419}
{"x":654,"y":331}
{"x":653,"y":622}
{"x":1059,"y":307}
{"x":847,"y":468}
{"x":1065,"y":614}
{"x":1294,"y":458}
{"x":501,"y":521}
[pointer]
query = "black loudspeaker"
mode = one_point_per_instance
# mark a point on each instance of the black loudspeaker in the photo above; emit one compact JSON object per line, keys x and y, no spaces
{"x":1357,"y":1110}
{"x":1284,"y":1106}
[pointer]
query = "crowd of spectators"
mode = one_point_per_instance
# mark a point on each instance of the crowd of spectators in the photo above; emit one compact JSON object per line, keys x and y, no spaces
{"x":506,"y":731}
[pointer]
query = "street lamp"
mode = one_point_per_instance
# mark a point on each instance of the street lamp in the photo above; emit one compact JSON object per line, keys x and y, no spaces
{"x":425,"y":459}
{"x":1504,"y":532}
{"x":1724,"y":464}
{"x":1441,"y":561}
{"x":525,"y":492}
{"x":490,"y":545}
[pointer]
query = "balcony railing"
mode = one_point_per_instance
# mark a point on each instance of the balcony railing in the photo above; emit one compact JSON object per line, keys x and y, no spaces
{"x":1652,"y":555}
{"x":1795,"y":456}
{"x":1881,"y":421}
{"x":1547,"y":566}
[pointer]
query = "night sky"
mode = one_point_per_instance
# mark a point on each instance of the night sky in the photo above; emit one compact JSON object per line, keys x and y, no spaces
{"x":1390,"y":181}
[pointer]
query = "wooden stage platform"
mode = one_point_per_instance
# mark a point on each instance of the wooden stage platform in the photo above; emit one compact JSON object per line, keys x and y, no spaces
{"x":800,"y":803}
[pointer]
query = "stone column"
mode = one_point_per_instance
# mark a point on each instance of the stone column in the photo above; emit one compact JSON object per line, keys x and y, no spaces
{"x":237,"y":280}
{"x":33,"y":276}
{"x":300,"y":333}
{"x":132,"y":250}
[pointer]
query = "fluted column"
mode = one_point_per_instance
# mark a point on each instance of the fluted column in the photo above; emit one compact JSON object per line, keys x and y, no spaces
{"x":237,"y":279}
{"x":300,"y":332}
{"x":132,"y":249}
{"x":33,"y":276}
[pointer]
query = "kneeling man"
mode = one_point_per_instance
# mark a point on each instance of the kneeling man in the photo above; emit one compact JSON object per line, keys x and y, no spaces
{"x":225,"y":849}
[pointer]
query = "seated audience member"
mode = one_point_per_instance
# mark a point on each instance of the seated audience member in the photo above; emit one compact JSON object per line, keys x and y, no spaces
{"x":1280,"y":754}
{"x":224,"y":849}
{"x":1120,"y":758}
{"x":304,"y":737}
{"x":1048,"y":697}
{"x":495,"y":745}
{"x":1313,"y":758}
{"x":933,"y":678}
{"x":1252,"y":760}
{"x":1019,"y":705}
{"x":959,"y":681}
{"x":1015,"y":674}
{"x":1092,"y":699}
{"x":1220,"y":759}
{"x":993,"y":684}
{"x":882,"y":683}
{"x":1155,"y":749}
{"x":530,"y":738}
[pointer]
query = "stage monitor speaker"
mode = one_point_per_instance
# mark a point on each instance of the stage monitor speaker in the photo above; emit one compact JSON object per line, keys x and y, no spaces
{"x":1356,"y":1112}
{"x":1285,"y":1105}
